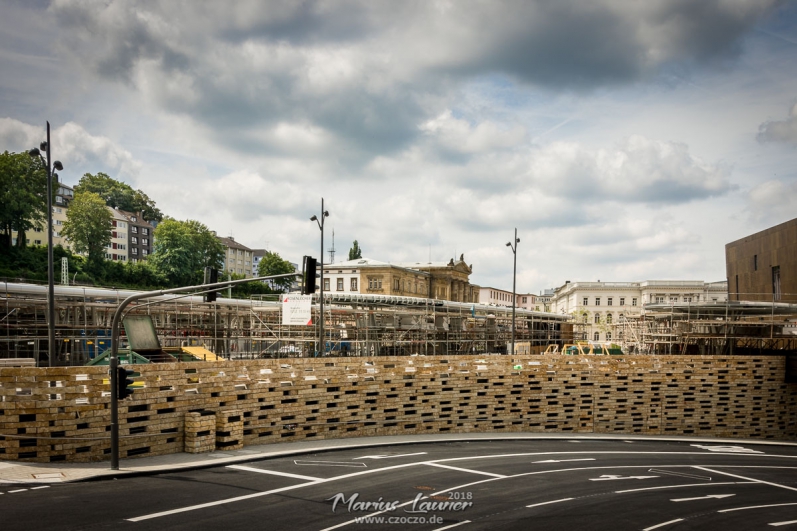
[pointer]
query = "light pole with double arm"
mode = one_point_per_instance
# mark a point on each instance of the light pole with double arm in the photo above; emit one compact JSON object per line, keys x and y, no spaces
{"x":35,"y":152}
{"x":513,"y":245}
{"x":321,"y":343}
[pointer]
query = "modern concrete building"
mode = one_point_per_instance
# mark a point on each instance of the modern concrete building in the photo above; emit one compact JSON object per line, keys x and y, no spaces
{"x":117,"y":249}
{"x":763,"y":266}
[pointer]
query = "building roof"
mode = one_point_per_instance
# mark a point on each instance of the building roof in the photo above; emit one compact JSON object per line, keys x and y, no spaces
{"x":232,"y":244}
{"x":366,"y":263}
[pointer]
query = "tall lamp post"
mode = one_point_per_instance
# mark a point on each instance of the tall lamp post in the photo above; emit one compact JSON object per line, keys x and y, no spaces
{"x":321,"y":342}
{"x":45,"y":146}
{"x":513,"y":245}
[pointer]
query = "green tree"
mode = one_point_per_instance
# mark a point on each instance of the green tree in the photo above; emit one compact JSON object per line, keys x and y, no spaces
{"x":273,"y":264}
{"x":88,"y":226}
{"x":183,"y":249}
{"x":117,"y":194}
{"x":23,"y":196}
{"x":355,"y":252}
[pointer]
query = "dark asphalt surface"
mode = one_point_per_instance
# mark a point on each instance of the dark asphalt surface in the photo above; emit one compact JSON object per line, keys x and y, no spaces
{"x":504,"y":485}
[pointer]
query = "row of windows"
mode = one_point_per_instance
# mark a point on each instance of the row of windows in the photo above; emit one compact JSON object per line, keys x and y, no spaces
{"x":609,"y":301}
{"x":339,"y":284}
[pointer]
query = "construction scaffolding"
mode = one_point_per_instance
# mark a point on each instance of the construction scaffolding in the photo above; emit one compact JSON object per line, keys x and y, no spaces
{"x":356,"y":325}
{"x":728,"y":328}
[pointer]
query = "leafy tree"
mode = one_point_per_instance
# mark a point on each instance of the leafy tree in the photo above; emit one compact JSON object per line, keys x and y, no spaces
{"x":23,"y":196}
{"x":117,"y":194}
{"x":273,"y":264}
{"x":183,"y":249}
{"x":88,"y":226}
{"x":355,"y":252}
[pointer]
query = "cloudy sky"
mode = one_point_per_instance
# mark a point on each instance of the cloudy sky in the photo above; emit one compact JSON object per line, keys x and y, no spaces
{"x":625,"y":140}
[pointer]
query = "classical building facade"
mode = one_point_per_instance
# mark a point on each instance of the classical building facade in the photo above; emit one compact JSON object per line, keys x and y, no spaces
{"x":502,"y":297}
{"x":437,"y":280}
{"x":597,"y":306}
{"x":763,"y":266}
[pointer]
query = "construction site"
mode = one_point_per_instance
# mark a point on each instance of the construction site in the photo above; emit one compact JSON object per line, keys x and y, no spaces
{"x":372,"y":325}
{"x":355,"y":325}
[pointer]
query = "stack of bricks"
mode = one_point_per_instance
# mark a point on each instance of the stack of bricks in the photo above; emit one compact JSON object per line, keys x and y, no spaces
{"x":51,"y":414}
{"x":229,"y":430}
{"x":200,"y":432}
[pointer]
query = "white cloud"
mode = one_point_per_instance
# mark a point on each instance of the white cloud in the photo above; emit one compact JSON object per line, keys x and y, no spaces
{"x":773,"y":201}
{"x":780,"y":131}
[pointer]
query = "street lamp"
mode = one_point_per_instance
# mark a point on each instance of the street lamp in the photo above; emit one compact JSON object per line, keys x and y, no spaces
{"x":514,"y":277}
{"x":324,"y":215}
{"x":45,"y":146}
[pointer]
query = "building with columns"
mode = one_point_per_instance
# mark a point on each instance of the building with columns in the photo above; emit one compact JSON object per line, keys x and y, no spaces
{"x":437,"y":280}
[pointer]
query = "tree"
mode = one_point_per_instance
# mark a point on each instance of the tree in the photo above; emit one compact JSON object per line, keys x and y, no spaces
{"x":88,"y":226}
{"x":23,"y":196}
{"x":183,"y":249}
{"x":273,"y":264}
{"x":117,"y":194}
{"x":355,"y":252}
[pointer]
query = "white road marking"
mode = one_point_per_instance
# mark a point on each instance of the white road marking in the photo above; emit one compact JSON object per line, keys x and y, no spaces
{"x":755,"y":507}
{"x":748,"y":479}
{"x":681,"y":474}
{"x":612,"y":477}
{"x":708,"y":497}
{"x":330,"y":463}
{"x":388,"y":456}
{"x":775,"y":524}
{"x":679,"y":486}
{"x":218,"y":502}
{"x":452,"y":525}
{"x":549,"y":502}
{"x":467,"y":470}
{"x":18,"y":490}
{"x":44,"y":487}
{"x":272,"y":472}
{"x":564,"y":460}
{"x":663,"y":524}
{"x":727,"y":449}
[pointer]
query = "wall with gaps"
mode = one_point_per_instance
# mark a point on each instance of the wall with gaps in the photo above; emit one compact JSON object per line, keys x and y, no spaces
{"x":62,"y":414}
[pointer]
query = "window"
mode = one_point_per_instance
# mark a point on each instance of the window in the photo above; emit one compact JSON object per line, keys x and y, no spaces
{"x":608,"y":318}
{"x":122,"y":246}
{"x":597,"y":301}
{"x":340,"y":284}
{"x":396,"y":284}
{"x":122,"y":225}
{"x":326,"y":284}
{"x":659,"y":299}
{"x":144,"y":241}
{"x":633,"y":301}
{"x":775,"y":283}
{"x":597,"y":318}
{"x":608,"y":301}
{"x":58,"y":210}
{"x":687,"y":298}
{"x":622,"y":301}
{"x":134,"y":230}
{"x":134,"y":250}
{"x":524,"y":300}
{"x":673,"y":299}
{"x":133,"y":239}
{"x":586,"y":301}
{"x":597,"y":336}
{"x":144,"y":252}
{"x":144,"y":231}
{"x":584,"y":316}
{"x":378,"y":283}
{"x":755,"y":262}
{"x":608,"y":336}
{"x":354,"y":284}
{"x":37,"y":242}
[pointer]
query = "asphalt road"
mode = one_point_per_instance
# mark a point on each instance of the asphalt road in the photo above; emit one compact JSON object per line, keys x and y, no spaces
{"x":505,"y":485}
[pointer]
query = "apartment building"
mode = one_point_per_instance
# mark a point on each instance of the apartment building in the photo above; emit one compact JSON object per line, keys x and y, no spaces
{"x":237,"y":257}
{"x":140,"y":234}
{"x":117,"y":248}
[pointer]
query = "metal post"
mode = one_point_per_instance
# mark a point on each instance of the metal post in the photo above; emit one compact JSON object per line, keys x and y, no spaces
{"x":321,"y":343}
{"x":513,"y":246}
{"x":50,"y":281}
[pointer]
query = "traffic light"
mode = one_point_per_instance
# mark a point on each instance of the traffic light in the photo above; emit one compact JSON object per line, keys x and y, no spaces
{"x":211,"y":277}
{"x":124,"y":378}
{"x":308,"y":281}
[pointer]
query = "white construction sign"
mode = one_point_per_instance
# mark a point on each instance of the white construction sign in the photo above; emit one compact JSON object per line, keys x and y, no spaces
{"x":296,"y":310}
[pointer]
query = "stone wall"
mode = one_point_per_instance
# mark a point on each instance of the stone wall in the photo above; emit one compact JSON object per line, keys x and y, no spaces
{"x":61,"y":414}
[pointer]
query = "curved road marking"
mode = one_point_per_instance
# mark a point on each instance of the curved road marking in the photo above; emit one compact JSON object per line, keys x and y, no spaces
{"x":663,"y":524}
{"x":748,"y":479}
{"x":691,"y":485}
{"x":755,"y":507}
{"x":466,"y":470}
{"x":272,"y":472}
{"x":452,"y":525}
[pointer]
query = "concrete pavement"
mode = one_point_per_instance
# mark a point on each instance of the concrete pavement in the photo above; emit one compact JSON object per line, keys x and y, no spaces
{"x":15,"y":472}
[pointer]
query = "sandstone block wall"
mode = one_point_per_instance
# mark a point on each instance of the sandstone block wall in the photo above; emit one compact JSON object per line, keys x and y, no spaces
{"x":56,"y":414}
